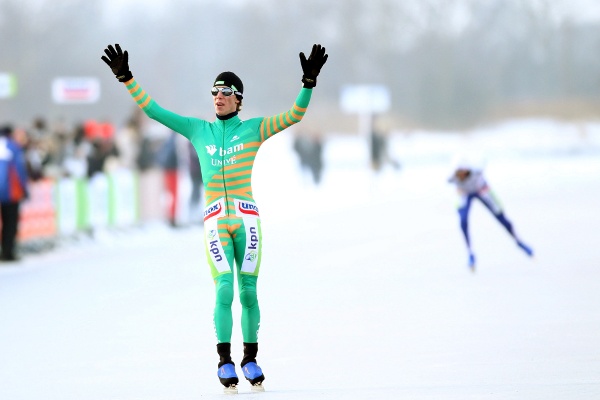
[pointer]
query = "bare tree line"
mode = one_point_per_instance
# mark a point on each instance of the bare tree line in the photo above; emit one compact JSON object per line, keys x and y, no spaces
{"x":447,"y":63}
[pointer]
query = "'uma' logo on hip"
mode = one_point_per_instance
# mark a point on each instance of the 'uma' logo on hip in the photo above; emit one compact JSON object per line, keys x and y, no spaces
{"x":248,"y":208}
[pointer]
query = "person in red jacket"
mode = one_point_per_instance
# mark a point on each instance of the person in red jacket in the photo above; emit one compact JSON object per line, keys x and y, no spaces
{"x":13,"y":190}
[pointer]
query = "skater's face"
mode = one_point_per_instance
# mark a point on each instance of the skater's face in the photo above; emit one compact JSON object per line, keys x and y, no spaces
{"x":224,"y":104}
{"x":462,"y":174}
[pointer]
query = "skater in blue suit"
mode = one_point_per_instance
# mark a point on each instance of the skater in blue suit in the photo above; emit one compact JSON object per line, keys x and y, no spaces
{"x":471,"y":184}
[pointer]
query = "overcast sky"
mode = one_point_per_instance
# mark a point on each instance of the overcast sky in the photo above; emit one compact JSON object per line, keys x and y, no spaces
{"x":577,"y":9}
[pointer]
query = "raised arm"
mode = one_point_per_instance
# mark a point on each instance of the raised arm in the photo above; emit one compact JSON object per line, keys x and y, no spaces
{"x":311,"y":68}
{"x":118,"y":61}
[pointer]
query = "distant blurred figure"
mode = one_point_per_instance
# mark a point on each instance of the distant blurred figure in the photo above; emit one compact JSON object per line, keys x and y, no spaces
{"x":169,"y":160}
{"x":309,"y":148}
{"x":31,"y":155}
{"x":196,"y":179}
{"x":60,"y":146}
{"x":128,"y":142}
{"x":471,"y":184}
{"x":380,"y":153}
{"x":13,"y":190}
{"x":39,"y":128}
{"x":103,"y":153}
{"x":38,"y":150}
{"x":75,"y":163}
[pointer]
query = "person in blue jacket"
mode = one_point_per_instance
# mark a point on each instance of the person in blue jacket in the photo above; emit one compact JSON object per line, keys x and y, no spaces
{"x":13,"y":190}
{"x":472,"y":185}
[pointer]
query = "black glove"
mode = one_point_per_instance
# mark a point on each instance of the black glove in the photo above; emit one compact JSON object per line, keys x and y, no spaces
{"x":118,"y":62}
{"x":313,"y":65}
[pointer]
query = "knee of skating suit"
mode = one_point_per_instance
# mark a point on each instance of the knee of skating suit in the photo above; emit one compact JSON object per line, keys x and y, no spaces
{"x":250,"y":308}
{"x":223,"y":319}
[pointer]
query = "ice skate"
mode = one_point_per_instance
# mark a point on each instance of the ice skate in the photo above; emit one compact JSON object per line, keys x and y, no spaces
{"x":254,"y":375}
{"x":472,"y":262}
{"x":525,"y":248}
{"x":232,"y":389}
{"x":228,"y":378}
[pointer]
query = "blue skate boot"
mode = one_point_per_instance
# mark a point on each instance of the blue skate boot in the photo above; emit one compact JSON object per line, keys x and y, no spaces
{"x":525,"y":248}
{"x":254,"y":375}
{"x":228,"y":378}
{"x":226,"y":372}
{"x":472,"y":262}
{"x":252,"y":372}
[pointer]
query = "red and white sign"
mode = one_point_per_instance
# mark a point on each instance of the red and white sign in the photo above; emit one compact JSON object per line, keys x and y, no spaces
{"x":75,"y":90}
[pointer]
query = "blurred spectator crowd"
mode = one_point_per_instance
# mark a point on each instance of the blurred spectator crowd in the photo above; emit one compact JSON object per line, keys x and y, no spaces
{"x":54,"y":150}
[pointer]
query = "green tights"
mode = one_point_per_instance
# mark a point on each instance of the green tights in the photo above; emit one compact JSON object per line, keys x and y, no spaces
{"x":223,"y":318}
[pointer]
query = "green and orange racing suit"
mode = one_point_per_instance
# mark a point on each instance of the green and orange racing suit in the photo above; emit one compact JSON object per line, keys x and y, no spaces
{"x":227,"y":149}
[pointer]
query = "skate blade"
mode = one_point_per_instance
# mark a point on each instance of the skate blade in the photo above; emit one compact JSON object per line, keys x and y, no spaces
{"x":257,"y":387}
{"x":230,"y":389}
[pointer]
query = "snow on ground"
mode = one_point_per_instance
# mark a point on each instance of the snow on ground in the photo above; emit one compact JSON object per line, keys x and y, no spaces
{"x":364,"y":288}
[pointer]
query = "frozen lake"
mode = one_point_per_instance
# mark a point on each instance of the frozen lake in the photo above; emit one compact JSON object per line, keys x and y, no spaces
{"x":364,"y":287}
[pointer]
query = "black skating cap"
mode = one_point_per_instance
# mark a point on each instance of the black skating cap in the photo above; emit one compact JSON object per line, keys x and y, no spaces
{"x":230,"y":79}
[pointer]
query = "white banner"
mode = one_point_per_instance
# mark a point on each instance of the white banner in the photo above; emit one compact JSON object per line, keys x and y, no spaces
{"x":365,"y":99}
{"x":75,"y":90}
{"x":8,"y":85}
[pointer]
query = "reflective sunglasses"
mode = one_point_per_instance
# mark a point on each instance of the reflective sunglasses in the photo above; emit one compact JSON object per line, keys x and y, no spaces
{"x":227,"y":91}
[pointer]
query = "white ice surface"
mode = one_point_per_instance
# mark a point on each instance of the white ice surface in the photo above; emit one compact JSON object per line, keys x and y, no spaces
{"x":364,"y":289}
